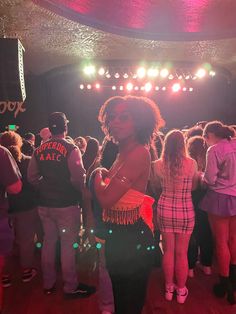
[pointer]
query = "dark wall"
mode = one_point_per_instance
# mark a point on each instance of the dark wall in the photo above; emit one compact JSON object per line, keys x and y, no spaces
{"x":59,"y":90}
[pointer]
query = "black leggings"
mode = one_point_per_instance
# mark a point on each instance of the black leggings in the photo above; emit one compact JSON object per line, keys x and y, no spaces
{"x":129,"y":257}
{"x":201,"y":238}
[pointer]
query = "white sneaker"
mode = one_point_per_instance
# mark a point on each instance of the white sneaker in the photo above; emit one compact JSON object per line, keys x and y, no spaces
{"x":182,"y":294}
{"x":169,"y":292}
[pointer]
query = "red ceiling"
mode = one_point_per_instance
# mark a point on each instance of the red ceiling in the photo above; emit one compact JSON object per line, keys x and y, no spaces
{"x":153,"y":19}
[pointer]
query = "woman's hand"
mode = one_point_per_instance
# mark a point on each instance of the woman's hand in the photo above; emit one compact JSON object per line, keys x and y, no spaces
{"x":100,"y":175}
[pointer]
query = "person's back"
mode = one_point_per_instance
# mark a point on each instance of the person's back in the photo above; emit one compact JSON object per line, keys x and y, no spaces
{"x":57,"y":169}
{"x":55,"y":188}
{"x":179,"y":184}
{"x":27,"y":198}
{"x":224,"y":180}
{"x":9,"y":182}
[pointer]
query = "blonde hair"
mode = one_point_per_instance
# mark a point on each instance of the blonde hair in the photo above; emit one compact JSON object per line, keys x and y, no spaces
{"x":173,"y":153}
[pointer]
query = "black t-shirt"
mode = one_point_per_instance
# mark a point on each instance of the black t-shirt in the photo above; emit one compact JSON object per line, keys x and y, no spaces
{"x":27,"y":198}
{"x":9,"y":174}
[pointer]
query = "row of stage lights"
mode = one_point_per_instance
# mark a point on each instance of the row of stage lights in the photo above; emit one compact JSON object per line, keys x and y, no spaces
{"x":142,"y":72}
{"x":148,"y":87}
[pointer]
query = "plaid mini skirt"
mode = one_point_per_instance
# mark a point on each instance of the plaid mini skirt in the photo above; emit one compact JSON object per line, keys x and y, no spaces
{"x":175,"y":215}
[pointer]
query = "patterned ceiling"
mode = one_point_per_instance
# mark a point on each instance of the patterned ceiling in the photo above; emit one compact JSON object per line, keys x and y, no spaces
{"x":57,"y":33}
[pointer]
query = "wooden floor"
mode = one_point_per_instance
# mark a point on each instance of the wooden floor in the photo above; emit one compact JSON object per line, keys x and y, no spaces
{"x":28,"y":298}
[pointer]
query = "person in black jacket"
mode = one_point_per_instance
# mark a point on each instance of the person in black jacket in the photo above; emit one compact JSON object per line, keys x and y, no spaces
{"x":56,"y":168}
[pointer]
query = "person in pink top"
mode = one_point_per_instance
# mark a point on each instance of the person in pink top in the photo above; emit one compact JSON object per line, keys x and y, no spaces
{"x":120,"y":191}
{"x":177,"y":175}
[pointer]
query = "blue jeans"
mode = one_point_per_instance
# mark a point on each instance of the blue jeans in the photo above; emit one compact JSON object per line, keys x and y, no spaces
{"x":60,"y":223}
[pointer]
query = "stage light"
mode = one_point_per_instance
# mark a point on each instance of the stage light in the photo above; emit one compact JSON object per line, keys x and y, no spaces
{"x":157,"y":88}
{"x":176,"y":87}
{"x":121,"y":87}
{"x":201,"y":73}
{"x":187,"y":77}
{"x":148,"y":87}
{"x":170,"y":77}
{"x":129,"y":86}
{"x":152,"y":72}
{"x":184,"y":89}
{"x":163,"y":88}
{"x":97,"y":85}
{"x":180,"y":77}
{"x":81,"y":86}
{"x":141,"y":72}
{"x":164,"y":73}
{"x":89,"y":86}
{"x":190,"y":89}
{"x":125,"y":75}
{"x":113,"y":87}
{"x":142,"y":88}
{"x":108,"y":75}
{"x":89,"y":70}
{"x":117,"y":75}
{"x":136,"y":88}
{"x":212,"y":73}
{"x":101,"y":71}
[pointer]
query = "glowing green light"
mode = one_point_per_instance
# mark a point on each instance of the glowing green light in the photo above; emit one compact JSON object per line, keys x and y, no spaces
{"x":12,"y":127}
{"x":142,"y":232}
{"x":153,"y":247}
{"x":38,"y":245}
{"x":98,"y":246}
{"x":75,"y":245}
{"x":148,"y":248}
{"x":138,"y":246}
{"x":110,"y":231}
{"x":92,"y":231}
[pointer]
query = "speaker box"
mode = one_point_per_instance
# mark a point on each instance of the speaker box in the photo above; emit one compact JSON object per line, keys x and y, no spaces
{"x":12,"y":83}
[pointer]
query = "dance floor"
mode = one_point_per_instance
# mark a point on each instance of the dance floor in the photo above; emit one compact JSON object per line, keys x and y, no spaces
{"x":28,"y":298}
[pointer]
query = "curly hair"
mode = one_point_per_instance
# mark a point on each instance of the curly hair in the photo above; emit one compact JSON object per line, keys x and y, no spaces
{"x":197,"y":150}
{"x":13,"y":142}
{"x":145,"y":113}
{"x":173,"y":153}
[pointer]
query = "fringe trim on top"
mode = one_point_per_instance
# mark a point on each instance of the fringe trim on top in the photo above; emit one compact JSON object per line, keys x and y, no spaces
{"x":121,"y":216}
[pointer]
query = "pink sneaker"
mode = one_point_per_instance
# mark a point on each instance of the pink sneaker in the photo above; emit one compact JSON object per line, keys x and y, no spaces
{"x":182,"y":294}
{"x":169,"y":292}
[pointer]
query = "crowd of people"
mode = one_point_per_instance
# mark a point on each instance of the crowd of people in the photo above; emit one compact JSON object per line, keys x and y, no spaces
{"x":141,"y":194}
